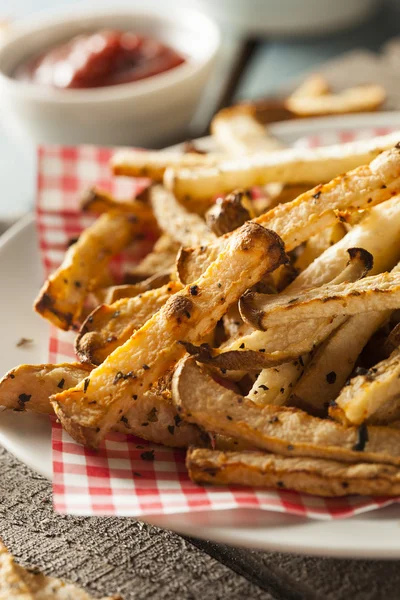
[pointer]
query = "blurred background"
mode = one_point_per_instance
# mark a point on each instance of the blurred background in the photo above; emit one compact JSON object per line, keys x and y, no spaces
{"x":267,"y":48}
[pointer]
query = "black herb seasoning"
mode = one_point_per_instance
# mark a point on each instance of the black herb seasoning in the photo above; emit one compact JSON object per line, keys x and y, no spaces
{"x":134,"y":396}
{"x":194,"y":290}
{"x":177,"y":420}
{"x":290,"y":447}
{"x":23,"y":398}
{"x":86,"y":384}
{"x":317,"y":195}
{"x":362,"y":440}
{"x":152,"y":416}
{"x":146,"y":367}
{"x":241,"y":346}
{"x":148,"y":455}
{"x":229,"y":418}
{"x":60,"y":384}
{"x":331,"y":377}
{"x":264,"y":387}
{"x":171,"y":429}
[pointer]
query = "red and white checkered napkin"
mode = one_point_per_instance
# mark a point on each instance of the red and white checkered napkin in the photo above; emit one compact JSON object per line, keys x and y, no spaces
{"x":127,"y":476}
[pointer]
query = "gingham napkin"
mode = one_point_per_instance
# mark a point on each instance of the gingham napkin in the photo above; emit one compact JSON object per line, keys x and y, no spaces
{"x":128,"y":476}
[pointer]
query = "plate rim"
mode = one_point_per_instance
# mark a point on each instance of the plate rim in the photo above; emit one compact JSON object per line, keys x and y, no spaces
{"x":233,"y":535}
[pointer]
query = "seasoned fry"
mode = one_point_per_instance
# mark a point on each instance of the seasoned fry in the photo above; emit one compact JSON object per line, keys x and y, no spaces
{"x":29,"y":387}
{"x":130,"y":290}
{"x":110,"y":326}
{"x":296,"y":221}
{"x":313,"y":86}
{"x":257,"y":350}
{"x":374,"y":293}
{"x":230,"y":212}
{"x":333,"y":362}
{"x":142,"y":163}
{"x":373,"y":397}
{"x":362,"y":98}
{"x":292,"y":165}
{"x":237,"y":132}
{"x":318,"y":243}
{"x":318,"y":476}
{"x":185,"y":227}
{"x":87,"y":413}
{"x":274,"y":385}
{"x":96,"y":201}
{"x":284,"y":430}
{"x":161,"y":258}
{"x":62,"y":296}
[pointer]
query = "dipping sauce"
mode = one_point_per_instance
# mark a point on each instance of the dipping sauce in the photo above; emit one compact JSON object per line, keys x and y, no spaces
{"x":104,"y":58}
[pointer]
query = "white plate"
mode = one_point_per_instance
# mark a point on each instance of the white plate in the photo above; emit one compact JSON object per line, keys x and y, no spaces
{"x":373,"y":535}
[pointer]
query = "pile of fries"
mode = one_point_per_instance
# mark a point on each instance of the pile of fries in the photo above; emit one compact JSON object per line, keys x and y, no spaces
{"x":262,"y":331}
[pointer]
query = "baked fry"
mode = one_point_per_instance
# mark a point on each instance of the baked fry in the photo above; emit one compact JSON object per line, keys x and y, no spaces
{"x":161,"y":258}
{"x":29,"y":387}
{"x":88,"y":412}
{"x":318,"y":243}
{"x":229,"y":213}
{"x":374,"y":293}
{"x":283,"y":430}
{"x":130,"y":290}
{"x":274,"y":385}
{"x":293,"y":165}
{"x":314,"y":85}
{"x":185,"y":227}
{"x":110,"y":326}
{"x":142,"y":163}
{"x":237,"y":131}
{"x":296,"y":221}
{"x":333,"y":362}
{"x":372,"y":397}
{"x":318,"y":476}
{"x":362,"y":98}
{"x":97,"y":201}
{"x":61,"y":298}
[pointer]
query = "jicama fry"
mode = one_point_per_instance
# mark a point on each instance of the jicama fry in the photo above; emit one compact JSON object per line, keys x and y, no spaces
{"x":296,"y":221}
{"x":140,"y":163}
{"x":130,"y":290}
{"x":29,"y":387}
{"x":87,"y":413}
{"x":318,"y":243}
{"x":97,"y":201}
{"x":284,"y":430}
{"x":377,"y":233}
{"x":314,"y":85}
{"x":362,"y":98}
{"x":373,"y":397}
{"x":185,"y":227}
{"x":274,"y":385}
{"x":110,"y":326}
{"x":237,"y":132}
{"x":293,"y":165}
{"x":333,"y":362}
{"x":373,"y":293}
{"x":62,"y":296}
{"x":318,"y":476}
{"x":229,"y":213}
{"x":161,"y":258}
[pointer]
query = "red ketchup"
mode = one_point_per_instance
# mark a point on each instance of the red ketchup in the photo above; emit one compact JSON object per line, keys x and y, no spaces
{"x":100,"y":59}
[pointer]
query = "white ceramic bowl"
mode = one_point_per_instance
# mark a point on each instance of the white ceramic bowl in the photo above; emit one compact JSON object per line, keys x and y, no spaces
{"x":287,"y":17}
{"x":149,"y":112}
